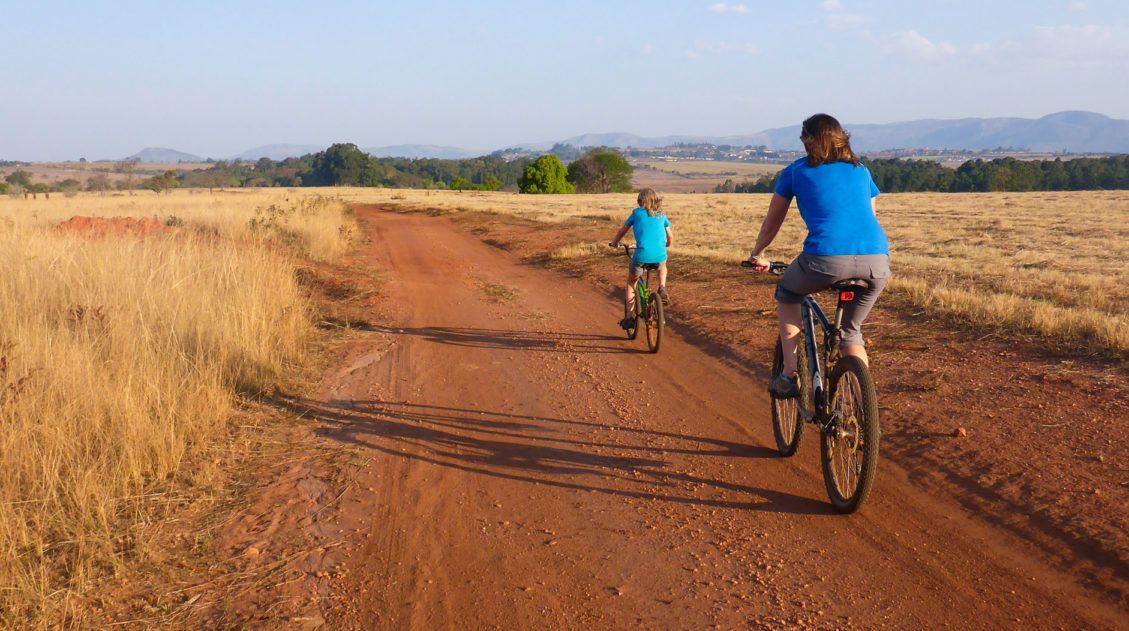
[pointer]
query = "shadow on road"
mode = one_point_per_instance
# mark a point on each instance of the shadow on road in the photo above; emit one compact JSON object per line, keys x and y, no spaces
{"x":546,"y":341}
{"x":542,"y":450}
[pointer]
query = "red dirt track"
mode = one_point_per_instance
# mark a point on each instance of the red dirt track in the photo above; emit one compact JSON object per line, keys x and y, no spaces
{"x":525,"y":466}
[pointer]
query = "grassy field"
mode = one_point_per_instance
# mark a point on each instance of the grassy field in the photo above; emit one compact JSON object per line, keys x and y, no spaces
{"x":1049,"y":263}
{"x":121,"y":356}
{"x":739,"y":171}
{"x":696,"y":176}
{"x":52,"y":172}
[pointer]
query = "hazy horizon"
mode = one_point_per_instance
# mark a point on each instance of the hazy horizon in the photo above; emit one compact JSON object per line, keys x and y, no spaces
{"x":103,"y":80}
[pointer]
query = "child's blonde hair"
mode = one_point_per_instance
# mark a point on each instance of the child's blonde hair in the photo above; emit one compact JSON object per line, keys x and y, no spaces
{"x":650,"y":200}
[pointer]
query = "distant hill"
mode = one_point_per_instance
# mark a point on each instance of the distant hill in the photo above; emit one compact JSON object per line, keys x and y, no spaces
{"x":161,"y":154}
{"x":617,"y":139}
{"x":421,"y":151}
{"x":277,"y":152}
{"x":1071,"y":132}
{"x":1075,"y":132}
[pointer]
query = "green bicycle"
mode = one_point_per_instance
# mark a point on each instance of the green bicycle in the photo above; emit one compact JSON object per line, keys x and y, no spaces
{"x":648,"y":306}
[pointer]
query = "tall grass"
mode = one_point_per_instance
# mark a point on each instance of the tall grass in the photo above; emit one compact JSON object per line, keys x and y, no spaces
{"x":318,"y":225}
{"x":119,"y":360}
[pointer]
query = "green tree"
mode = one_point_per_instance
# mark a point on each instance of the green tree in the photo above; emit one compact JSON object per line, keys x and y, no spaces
{"x":162,"y":183}
{"x":491,"y":183}
{"x":19,"y":177}
{"x":99,"y":182}
{"x":462,"y":184}
{"x":546,"y":175}
{"x":69,"y":187}
{"x":343,"y":164}
{"x":601,"y":170}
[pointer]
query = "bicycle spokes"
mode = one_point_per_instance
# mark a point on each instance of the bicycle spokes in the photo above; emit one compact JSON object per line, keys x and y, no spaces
{"x":844,"y":437}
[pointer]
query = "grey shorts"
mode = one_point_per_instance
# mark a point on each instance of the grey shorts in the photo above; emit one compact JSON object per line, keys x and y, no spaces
{"x":635,"y":270}
{"x":809,"y":274}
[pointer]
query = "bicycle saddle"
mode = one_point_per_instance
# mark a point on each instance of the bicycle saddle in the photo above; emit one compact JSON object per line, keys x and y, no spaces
{"x":650,"y":265}
{"x":851,"y":284}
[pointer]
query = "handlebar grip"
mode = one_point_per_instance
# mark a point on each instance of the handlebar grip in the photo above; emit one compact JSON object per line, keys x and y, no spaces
{"x":774,"y":267}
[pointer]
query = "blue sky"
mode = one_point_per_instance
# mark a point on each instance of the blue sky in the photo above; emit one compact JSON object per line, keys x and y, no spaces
{"x":103,"y":79}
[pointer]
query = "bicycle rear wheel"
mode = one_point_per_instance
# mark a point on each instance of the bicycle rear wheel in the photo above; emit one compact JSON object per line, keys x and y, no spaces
{"x":655,"y":322}
{"x":850,"y":450}
{"x":787,"y":422}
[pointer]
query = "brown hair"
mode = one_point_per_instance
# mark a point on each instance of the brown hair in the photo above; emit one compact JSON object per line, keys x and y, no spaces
{"x":650,"y":200}
{"x":826,"y":141}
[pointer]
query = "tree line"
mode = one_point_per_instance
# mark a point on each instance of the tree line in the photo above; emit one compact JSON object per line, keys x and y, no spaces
{"x":979,"y":176}
{"x":599,"y":170}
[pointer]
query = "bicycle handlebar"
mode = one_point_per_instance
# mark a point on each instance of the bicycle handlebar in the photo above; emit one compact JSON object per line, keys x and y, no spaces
{"x":774,"y":267}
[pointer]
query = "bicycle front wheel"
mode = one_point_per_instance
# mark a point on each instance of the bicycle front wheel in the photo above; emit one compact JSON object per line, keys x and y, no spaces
{"x":787,"y":422}
{"x":655,"y":323}
{"x":850,"y":447}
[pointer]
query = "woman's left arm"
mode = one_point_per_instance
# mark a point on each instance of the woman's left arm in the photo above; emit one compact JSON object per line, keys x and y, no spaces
{"x":669,"y":237}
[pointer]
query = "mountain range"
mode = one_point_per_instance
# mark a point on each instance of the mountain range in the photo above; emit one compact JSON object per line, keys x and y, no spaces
{"x":1074,"y":132}
{"x":1071,"y":132}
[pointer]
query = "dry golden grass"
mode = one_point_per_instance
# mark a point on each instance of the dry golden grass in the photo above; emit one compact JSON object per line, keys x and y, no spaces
{"x":120,"y":358}
{"x":306,"y":218}
{"x":1052,"y":263}
{"x":697,"y":176}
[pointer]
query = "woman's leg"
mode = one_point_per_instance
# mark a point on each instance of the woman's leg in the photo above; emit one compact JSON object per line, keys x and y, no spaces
{"x":854,"y":350}
{"x":798,"y":281}
{"x":790,"y":320}
{"x":854,"y":314}
{"x":662,"y":274}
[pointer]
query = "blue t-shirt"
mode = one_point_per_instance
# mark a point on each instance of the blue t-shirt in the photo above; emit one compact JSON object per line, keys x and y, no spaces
{"x":834,"y":200}
{"x":650,"y":236}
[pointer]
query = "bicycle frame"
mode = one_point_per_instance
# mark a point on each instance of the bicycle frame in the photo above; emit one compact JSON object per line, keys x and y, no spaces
{"x":642,"y":287}
{"x":811,"y":314}
{"x":643,"y":294}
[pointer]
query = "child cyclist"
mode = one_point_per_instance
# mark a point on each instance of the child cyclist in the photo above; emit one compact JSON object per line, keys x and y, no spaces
{"x":652,"y":238}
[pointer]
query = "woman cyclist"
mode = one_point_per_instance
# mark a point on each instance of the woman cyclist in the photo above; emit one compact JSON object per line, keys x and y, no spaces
{"x":652,"y":238}
{"x":836,"y":198}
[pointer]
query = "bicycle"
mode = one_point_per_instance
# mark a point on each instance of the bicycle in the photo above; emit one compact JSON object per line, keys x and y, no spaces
{"x":846,"y":413}
{"x":648,"y":306}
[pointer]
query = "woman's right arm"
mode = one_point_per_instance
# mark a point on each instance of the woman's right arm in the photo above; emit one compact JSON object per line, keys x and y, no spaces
{"x":777,"y":211}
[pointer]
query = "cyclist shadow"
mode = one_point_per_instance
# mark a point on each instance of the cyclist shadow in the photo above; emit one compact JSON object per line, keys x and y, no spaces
{"x":549,"y":342}
{"x":533,"y":449}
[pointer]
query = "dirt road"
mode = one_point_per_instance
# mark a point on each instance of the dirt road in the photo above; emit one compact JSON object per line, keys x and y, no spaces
{"x":528,"y":467}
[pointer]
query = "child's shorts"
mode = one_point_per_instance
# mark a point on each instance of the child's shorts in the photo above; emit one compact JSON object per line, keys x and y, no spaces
{"x":636,"y":269}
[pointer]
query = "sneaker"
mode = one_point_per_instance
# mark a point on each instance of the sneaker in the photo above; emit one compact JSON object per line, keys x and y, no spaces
{"x":782,"y":387}
{"x":663,"y":296}
{"x":627,"y":324}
